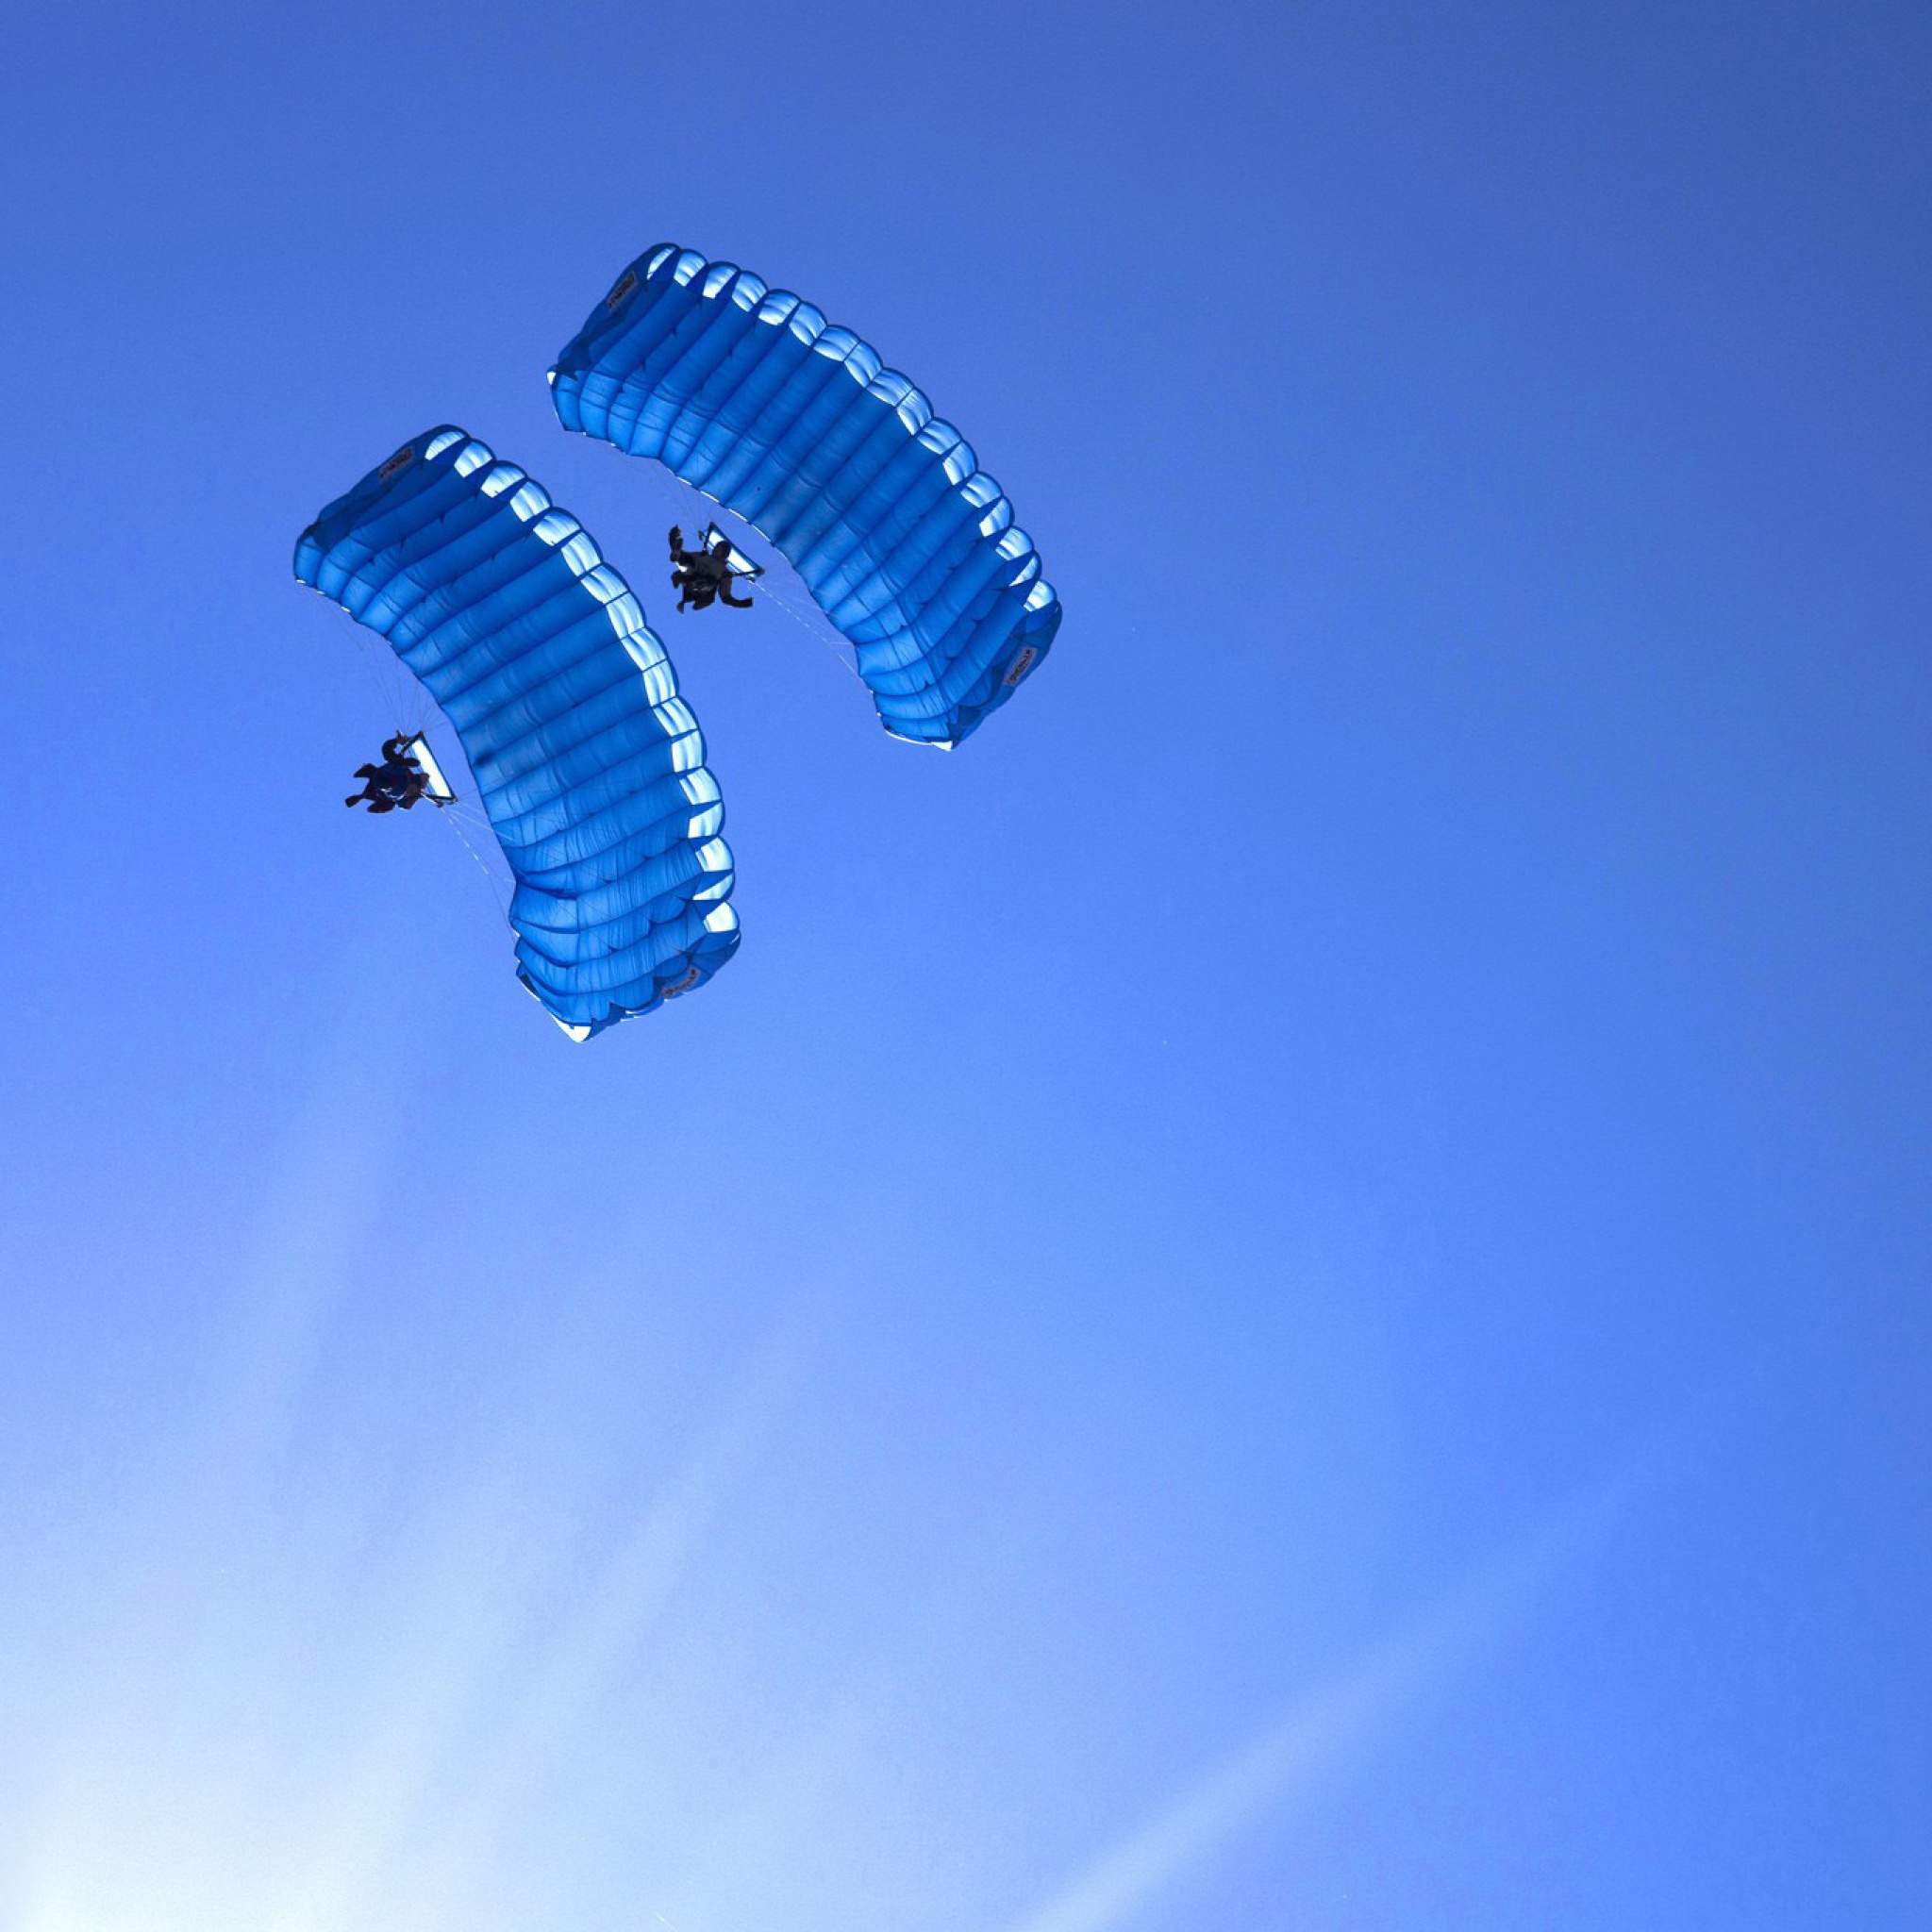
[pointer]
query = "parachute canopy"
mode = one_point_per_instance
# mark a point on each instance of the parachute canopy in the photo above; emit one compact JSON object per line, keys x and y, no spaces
{"x":591,"y":766}
{"x":749,"y":395}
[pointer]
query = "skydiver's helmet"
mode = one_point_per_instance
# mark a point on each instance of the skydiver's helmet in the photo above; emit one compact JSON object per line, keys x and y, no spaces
{"x":398,"y":747}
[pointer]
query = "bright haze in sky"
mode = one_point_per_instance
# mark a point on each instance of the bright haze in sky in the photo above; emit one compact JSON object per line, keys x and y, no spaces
{"x":1287,"y":1292}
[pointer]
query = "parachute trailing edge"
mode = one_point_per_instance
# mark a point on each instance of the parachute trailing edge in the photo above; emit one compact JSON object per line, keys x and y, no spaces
{"x":794,"y":424}
{"x":589,"y":764}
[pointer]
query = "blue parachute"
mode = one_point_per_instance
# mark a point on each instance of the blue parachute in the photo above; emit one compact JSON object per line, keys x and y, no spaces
{"x":589,"y":765}
{"x":750,"y":395}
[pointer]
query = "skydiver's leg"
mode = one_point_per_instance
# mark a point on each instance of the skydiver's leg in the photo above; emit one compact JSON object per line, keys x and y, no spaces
{"x":736,"y":602}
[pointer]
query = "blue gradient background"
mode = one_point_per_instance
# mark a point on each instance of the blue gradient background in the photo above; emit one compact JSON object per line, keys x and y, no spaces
{"x":1291,"y":1292}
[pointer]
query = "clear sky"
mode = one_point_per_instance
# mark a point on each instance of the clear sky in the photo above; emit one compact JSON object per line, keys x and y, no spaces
{"x":1289,"y":1293}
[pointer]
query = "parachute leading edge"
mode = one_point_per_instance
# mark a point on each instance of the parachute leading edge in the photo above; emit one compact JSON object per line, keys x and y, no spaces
{"x":589,"y":764}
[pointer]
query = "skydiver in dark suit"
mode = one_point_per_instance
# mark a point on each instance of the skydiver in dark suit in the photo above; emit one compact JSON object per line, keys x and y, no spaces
{"x":399,"y":780}
{"x":701,"y":577}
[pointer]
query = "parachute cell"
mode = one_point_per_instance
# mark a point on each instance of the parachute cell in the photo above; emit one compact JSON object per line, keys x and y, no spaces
{"x":589,"y":765}
{"x":750,"y":395}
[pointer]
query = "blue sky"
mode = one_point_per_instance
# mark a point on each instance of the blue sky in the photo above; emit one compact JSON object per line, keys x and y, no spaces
{"x":1289,"y":1293}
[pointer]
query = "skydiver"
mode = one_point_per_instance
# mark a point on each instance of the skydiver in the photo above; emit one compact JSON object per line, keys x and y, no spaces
{"x":399,"y":780}
{"x":701,"y":577}
{"x":696,"y":574}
